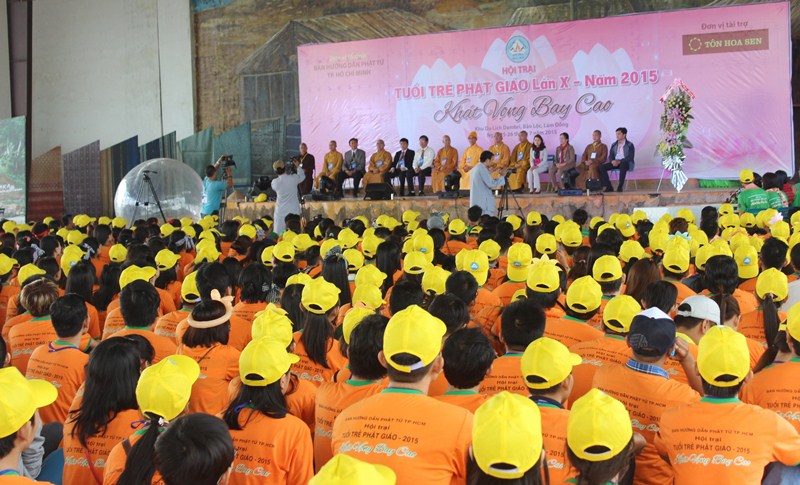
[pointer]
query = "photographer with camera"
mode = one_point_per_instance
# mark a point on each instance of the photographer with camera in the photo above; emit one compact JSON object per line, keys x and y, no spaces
{"x":285,"y":185}
{"x":481,"y":183}
{"x":214,"y":189}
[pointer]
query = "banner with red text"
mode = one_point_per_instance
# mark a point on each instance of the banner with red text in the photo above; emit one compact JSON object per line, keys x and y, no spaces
{"x":573,"y":77}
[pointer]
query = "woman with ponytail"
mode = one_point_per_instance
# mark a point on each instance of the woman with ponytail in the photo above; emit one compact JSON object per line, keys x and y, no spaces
{"x":260,"y":423}
{"x":316,"y":347}
{"x":772,"y":289}
{"x":257,"y":290}
{"x":730,"y":316}
{"x":721,"y":277}
{"x":162,"y":393}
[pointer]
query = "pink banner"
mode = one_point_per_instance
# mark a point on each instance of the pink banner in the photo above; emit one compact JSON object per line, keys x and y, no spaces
{"x":572,"y":77}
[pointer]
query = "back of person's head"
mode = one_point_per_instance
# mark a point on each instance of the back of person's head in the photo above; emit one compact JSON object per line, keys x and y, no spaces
{"x":68,"y":315}
{"x":196,"y":449}
{"x":404,"y":294}
{"x":580,"y":217}
{"x":450,"y":309}
{"x":334,"y":270}
{"x":109,"y":286}
{"x":256,"y":284}
{"x":210,"y":171}
{"x":37,"y":296}
{"x":468,"y":356}
{"x":474,"y":213}
{"x":771,"y":180}
{"x":522,"y":322}
{"x":773,"y":254}
{"x":640,"y":276}
{"x":660,"y":294}
{"x":139,"y":302}
{"x":213,"y":276}
{"x":282,"y":271}
{"x":290,"y":301}
{"x":366,"y":341}
{"x":201,"y":334}
{"x":463,"y":285}
{"x":81,"y":280}
{"x":721,"y":275}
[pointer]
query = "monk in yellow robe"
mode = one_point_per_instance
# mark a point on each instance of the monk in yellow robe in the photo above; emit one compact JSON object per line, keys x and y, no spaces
{"x":469,"y":159}
{"x":445,"y":162}
{"x":379,"y":164}
{"x":500,"y":153}
{"x":520,"y":161}
{"x":332,"y":164}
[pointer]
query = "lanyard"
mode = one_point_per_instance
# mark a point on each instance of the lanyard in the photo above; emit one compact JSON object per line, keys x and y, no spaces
{"x":9,"y":471}
{"x":66,"y":346}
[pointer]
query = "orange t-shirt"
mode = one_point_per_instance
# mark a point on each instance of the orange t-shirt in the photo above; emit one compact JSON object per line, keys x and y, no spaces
{"x":20,"y":480}
{"x":166,"y":325}
{"x":25,"y":337}
{"x":506,"y":375}
{"x":13,"y":322}
{"x":684,"y":291}
{"x":163,"y":346}
{"x":495,"y":279}
{"x":752,"y":325}
{"x":506,"y":291}
{"x":247,"y":311}
{"x":463,"y":398}
{"x":271,"y":450}
{"x":6,"y":293}
{"x":747,"y":301}
{"x":310,"y":370}
{"x":65,"y":367}
{"x":554,"y":437}
{"x":569,"y":331}
{"x":219,"y":364}
{"x":300,"y":398}
{"x":115,"y":464}
{"x":421,"y":439}
{"x":452,"y":247}
{"x":174,"y":289}
{"x":646,"y":397}
{"x":239,"y":337}
{"x":331,"y":399}
{"x":485,"y":310}
{"x":724,"y":441}
{"x":608,"y":350}
{"x":749,"y":285}
{"x":76,"y":465}
{"x":439,"y":386}
{"x":777,"y":388}
{"x":756,"y":349}
{"x":114,"y":322}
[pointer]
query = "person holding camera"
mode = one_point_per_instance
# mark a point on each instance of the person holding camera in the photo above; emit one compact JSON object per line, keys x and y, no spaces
{"x":214,"y":189}
{"x":287,"y":200}
{"x":481,"y":183}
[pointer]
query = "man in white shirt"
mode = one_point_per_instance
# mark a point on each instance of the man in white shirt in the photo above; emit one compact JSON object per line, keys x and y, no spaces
{"x":423,"y":161}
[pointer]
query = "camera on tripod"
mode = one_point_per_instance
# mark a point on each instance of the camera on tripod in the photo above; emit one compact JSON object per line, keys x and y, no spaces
{"x":227,"y":161}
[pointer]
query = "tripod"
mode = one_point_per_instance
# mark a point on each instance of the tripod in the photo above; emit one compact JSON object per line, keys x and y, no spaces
{"x":504,"y":203}
{"x":140,"y":194}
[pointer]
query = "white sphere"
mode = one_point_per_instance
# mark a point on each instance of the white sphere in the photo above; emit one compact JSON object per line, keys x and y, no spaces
{"x":176,"y":184}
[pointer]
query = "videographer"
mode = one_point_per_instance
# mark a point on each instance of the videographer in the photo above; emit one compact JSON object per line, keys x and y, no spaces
{"x":285,"y":186}
{"x":213,"y":189}
{"x":482,"y":184}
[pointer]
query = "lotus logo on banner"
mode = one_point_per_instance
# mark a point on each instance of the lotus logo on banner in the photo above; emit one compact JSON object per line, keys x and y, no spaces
{"x":518,"y":48}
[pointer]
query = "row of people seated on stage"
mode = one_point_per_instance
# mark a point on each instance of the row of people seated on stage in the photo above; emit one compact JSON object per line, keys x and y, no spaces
{"x":526,"y":162}
{"x":399,"y":343}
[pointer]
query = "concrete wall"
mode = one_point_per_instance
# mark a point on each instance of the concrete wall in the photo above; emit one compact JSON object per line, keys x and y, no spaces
{"x":5,"y":71}
{"x":110,"y":69}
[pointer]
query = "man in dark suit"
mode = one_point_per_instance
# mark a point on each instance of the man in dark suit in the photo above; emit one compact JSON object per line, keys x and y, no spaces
{"x":354,"y":167}
{"x":620,"y":157}
{"x":403,"y":168}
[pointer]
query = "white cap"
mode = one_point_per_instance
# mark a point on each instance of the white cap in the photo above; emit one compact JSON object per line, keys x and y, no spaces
{"x":701,"y":307}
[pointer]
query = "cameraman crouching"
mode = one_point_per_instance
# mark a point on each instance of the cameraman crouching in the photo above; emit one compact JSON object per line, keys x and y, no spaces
{"x":285,"y":186}
{"x":213,"y":188}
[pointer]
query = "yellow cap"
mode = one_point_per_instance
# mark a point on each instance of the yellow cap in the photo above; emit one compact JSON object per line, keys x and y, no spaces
{"x":415,"y":263}
{"x":519,"y":257}
{"x":135,"y":273}
{"x":370,"y":275}
{"x":119,"y":222}
{"x":703,"y":255}
{"x":781,"y":230}
{"x":264,"y":361}
{"x":729,"y":220}
{"x":368,"y":296}
{"x":507,"y":436}
{"x":792,"y":324}
{"x":619,"y":312}
{"x":302,"y":242}
{"x":748,"y":219}
{"x":631,"y":249}
{"x":348,"y":238}
{"x":76,"y":237}
{"x":599,"y":427}
{"x":571,"y":235}
{"x":363,"y":220}
{"x":423,"y":243}
{"x":262,"y":197}
{"x":273,"y":323}
{"x":20,"y":399}
{"x":547,"y":363}
{"x":208,"y":254}
{"x":558,"y":218}
{"x":164,"y":388}
{"x":413,"y":331}
{"x":69,"y":258}
{"x":746,"y":258}
{"x":475,"y":262}
{"x":746,"y":176}
{"x":345,"y":470}
{"x":594,"y":221}
{"x":189,"y":292}
{"x":28,"y":271}
{"x":546,"y":244}
{"x":102,"y":220}
{"x":434,"y":280}
{"x":117,"y":253}
{"x":475,"y":230}
{"x":772,"y":282}
{"x":514,"y":220}
{"x":658,"y":241}
{"x":687,"y":215}
{"x":725,"y":208}
{"x":369,"y":246}
{"x":248,"y":230}
{"x":491,"y":248}
{"x":624,"y":225}
{"x":47,"y":220}
{"x":584,"y":295}
{"x":457,"y":227}
{"x":767,"y":217}
{"x":607,"y":268}
{"x":319,"y":296}
{"x":186,"y":221}
{"x":284,"y":251}
{"x":166,"y":259}
{"x":533,"y":218}
{"x":355,"y":260}
{"x":329,"y":244}
{"x":543,"y":276}
{"x":266,"y":256}
{"x":723,"y":352}
{"x":352,"y":318}
{"x":410,"y":215}
{"x":82,"y":220}
{"x":9,"y":226}
{"x":677,"y":260}
{"x":167,"y":229}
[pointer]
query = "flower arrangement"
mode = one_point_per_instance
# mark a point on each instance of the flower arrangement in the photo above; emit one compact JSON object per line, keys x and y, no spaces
{"x":675,"y":121}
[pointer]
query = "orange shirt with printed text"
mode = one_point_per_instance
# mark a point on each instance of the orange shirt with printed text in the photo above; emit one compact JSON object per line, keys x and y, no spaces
{"x":608,"y":350}
{"x":219,"y":365}
{"x":777,"y":388}
{"x":65,"y":367}
{"x":162,"y":346}
{"x":463,"y":398}
{"x":312,"y":371}
{"x":506,"y":375}
{"x":570,"y":331}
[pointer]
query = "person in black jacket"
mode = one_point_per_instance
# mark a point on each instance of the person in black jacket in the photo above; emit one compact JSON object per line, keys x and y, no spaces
{"x":403,"y":168}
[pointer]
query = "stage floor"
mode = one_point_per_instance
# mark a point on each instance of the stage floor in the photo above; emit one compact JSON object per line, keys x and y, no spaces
{"x":548,"y":204}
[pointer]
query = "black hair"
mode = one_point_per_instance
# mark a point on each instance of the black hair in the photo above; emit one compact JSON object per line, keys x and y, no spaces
{"x":565,"y":135}
{"x":7,"y":442}
{"x":403,"y":140}
{"x":267,"y":400}
{"x":139,"y":464}
{"x":598,"y":472}
{"x":721,"y":275}
{"x":290,"y":302}
{"x":68,"y":314}
{"x":580,"y":216}
{"x":334,"y":270}
{"x":468,"y":356}
{"x":210,"y":171}
{"x":474,"y":213}
{"x":404,"y":294}
{"x":580,"y":263}
{"x":81,"y":280}
{"x":486,"y":155}
{"x":773,"y":254}
{"x":463,"y":285}
{"x":522,"y":322}
{"x":770,"y":181}
{"x":49,"y":244}
{"x":212,"y":276}
{"x":722,"y":392}
{"x":234,"y":270}
{"x":538,"y":474}
{"x":450,"y":309}
{"x":229,"y":230}
{"x":366,"y":341}
{"x":282,"y":271}
{"x":196,"y":449}
{"x":610,"y":287}
{"x":407,"y":377}
{"x":23,"y":256}
{"x":387,"y":259}
{"x":660,"y":294}
{"x":207,"y":337}
{"x":256,"y":284}
{"x":139,"y":302}
{"x":109,"y":286}
{"x":49,"y":265}
{"x":622,"y":130}
{"x":317,"y":336}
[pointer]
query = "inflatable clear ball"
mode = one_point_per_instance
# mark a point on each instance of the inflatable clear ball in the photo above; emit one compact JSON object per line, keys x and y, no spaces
{"x":176,"y":185}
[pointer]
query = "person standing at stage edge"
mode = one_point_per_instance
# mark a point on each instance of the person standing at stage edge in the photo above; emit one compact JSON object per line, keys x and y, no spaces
{"x":307,"y":164}
{"x":402,"y":167}
{"x":355,"y":160}
{"x":520,"y":162}
{"x":423,"y":161}
{"x":469,"y":159}
{"x":482,"y":184}
{"x":443,"y":165}
{"x":379,"y":163}
{"x":620,"y":157}
{"x":593,"y":156}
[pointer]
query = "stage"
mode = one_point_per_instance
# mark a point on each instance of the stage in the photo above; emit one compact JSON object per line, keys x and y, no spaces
{"x":548,"y":204}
